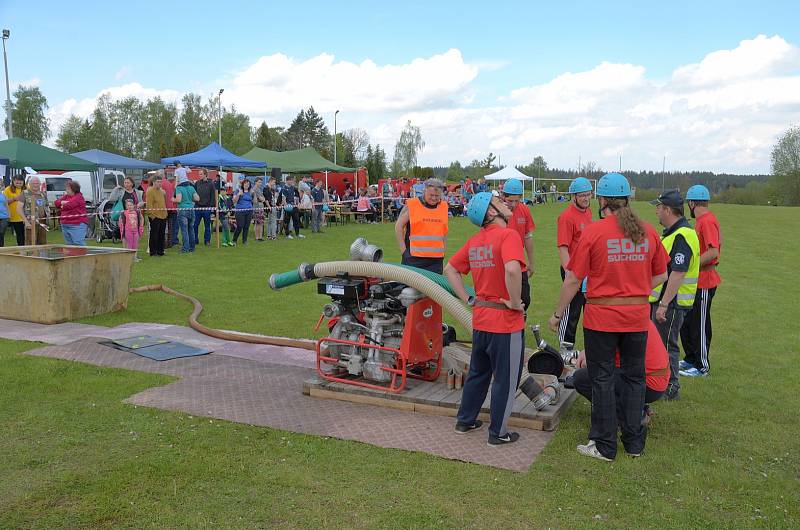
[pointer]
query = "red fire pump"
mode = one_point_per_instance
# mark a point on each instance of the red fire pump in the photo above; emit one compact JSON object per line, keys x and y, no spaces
{"x":381,"y":333}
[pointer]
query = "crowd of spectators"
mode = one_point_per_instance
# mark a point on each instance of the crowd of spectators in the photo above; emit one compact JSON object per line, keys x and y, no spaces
{"x":172,"y":208}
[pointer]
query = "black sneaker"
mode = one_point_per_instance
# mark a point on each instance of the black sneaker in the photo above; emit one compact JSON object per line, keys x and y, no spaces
{"x":508,"y":438}
{"x":671,"y":393}
{"x":463,"y":428}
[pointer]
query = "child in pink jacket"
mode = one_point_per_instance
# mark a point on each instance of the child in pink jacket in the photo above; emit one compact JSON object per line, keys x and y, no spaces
{"x":131,"y":226}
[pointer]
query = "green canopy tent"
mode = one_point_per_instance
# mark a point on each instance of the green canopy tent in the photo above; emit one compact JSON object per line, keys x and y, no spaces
{"x":22,"y":153}
{"x":306,"y":160}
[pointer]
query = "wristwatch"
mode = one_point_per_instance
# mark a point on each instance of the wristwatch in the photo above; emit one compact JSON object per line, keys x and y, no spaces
{"x":471,"y":301}
{"x":662,"y":304}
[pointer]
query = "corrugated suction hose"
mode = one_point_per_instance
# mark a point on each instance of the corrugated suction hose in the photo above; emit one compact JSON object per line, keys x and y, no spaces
{"x":387,"y":271}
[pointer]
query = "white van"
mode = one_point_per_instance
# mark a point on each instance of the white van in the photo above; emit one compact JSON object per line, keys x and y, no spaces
{"x":111,"y":180}
{"x":56,"y":186}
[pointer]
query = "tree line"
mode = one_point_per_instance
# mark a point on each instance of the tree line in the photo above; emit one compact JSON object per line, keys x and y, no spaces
{"x":154,"y":129}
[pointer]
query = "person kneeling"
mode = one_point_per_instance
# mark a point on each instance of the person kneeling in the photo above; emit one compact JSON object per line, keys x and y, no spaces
{"x":656,"y":366}
{"x":493,"y":256}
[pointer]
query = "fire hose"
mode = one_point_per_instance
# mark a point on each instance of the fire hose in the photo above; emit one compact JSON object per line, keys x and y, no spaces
{"x":222,"y":334}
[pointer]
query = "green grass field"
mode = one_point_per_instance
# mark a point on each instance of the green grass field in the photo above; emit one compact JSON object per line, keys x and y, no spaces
{"x":724,"y":456}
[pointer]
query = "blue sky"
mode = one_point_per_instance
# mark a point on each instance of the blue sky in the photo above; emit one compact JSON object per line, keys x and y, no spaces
{"x":76,"y":50}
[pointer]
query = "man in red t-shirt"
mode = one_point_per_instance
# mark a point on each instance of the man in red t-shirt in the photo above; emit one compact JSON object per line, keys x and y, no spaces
{"x":571,"y":224}
{"x":656,"y":367}
{"x":522,"y":222}
{"x":623,"y":259}
{"x":696,"y":330}
{"x":494,"y":257}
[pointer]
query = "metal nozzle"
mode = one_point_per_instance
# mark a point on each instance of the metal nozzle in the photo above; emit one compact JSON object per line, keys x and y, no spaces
{"x":361,"y":250}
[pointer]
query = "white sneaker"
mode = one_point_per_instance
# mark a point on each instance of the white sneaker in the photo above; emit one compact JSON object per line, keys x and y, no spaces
{"x":591,"y":450}
{"x":290,"y":236}
{"x":301,"y":236}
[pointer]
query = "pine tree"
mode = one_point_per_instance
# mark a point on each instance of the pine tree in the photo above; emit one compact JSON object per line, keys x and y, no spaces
{"x":262,"y":138}
{"x":177,"y":145}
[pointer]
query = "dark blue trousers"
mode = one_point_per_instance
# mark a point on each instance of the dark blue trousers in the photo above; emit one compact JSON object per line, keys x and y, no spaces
{"x":205,"y":217}
{"x":497,"y":355}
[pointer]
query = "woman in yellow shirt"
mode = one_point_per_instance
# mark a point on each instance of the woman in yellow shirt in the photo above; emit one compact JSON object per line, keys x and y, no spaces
{"x":13,"y":195}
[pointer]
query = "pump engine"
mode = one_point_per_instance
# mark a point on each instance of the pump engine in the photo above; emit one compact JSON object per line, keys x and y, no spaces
{"x":380,"y":331}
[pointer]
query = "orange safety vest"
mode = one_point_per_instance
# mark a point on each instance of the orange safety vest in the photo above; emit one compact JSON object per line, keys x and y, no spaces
{"x":428,"y":229}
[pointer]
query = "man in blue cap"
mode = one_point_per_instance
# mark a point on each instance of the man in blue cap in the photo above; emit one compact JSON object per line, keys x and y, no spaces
{"x":570,"y":226}
{"x":521,"y":221}
{"x":672,"y":300}
{"x":494,"y":256}
{"x":696,"y":331}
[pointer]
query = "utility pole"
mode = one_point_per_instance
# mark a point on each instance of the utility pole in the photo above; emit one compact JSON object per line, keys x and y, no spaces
{"x":219,"y":114}
{"x":9,"y":127}
{"x":663,"y":172}
{"x":335,"y":142}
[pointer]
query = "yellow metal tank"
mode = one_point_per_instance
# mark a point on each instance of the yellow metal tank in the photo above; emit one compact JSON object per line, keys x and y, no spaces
{"x":49,"y":284}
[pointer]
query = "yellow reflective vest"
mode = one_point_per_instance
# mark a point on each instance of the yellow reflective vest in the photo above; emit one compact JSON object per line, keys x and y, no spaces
{"x":687,"y":289}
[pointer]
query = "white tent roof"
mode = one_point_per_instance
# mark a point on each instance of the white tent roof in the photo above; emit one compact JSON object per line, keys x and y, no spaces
{"x":508,"y":172}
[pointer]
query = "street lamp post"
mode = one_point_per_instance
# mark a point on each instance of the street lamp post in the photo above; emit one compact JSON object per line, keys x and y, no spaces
{"x":9,"y":129}
{"x":219,"y":114}
{"x":334,"y":136}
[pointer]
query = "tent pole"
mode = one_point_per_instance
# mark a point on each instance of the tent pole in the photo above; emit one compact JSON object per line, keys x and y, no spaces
{"x":216,"y":201}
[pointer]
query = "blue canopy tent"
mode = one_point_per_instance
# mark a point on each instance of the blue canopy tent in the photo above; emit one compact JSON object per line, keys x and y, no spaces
{"x":106,"y":160}
{"x":212,"y":155}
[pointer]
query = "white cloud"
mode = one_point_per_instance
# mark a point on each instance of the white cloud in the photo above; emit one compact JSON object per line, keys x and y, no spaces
{"x":759,"y":57}
{"x":722,"y":113}
{"x":277,"y":84}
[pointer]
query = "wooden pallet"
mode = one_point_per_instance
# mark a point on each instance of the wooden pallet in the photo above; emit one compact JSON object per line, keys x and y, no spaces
{"x":433,"y":397}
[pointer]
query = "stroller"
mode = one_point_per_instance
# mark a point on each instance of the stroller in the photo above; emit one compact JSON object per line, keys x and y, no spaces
{"x":107,"y":228}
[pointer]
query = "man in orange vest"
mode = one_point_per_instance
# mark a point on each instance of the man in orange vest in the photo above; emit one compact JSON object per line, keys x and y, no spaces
{"x":421,"y":229}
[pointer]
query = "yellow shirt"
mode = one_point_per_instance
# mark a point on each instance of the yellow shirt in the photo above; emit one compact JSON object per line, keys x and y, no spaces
{"x":156,"y":203}
{"x":14,"y":216}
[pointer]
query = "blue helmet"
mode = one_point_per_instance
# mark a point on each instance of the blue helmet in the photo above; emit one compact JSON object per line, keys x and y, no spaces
{"x":476,"y":209}
{"x":579,"y":185}
{"x":613,"y":185}
{"x":698,"y":192}
{"x":513,"y":187}
{"x":289,"y":208}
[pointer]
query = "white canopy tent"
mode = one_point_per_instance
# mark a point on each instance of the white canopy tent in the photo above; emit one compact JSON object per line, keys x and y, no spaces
{"x":510,"y":172}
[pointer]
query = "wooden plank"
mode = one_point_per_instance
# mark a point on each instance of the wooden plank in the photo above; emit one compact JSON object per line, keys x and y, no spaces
{"x":439,"y":397}
{"x":453,"y":399}
{"x":416,"y":388}
{"x":432,"y":388}
{"x":435,"y":410}
{"x":362,"y":399}
{"x":435,"y":398}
